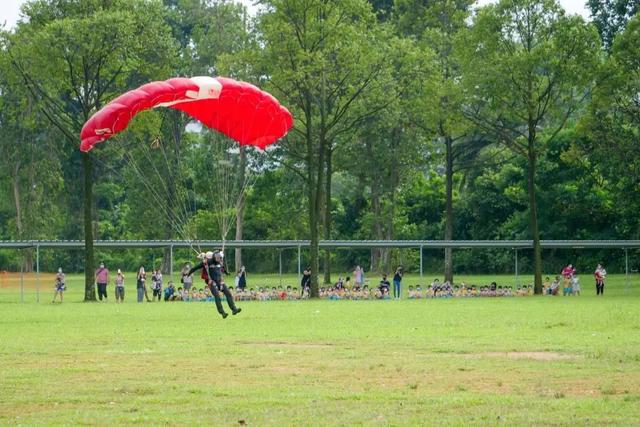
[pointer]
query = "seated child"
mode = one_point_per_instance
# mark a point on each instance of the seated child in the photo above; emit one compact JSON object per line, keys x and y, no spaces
{"x":418,"y":292}
{"x":566,"y":290}
{"x":410,"y":293}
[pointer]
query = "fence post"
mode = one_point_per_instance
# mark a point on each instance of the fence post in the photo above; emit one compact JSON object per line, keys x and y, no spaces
{"x":37,"y":273}
{"x":280,"y":265}
{"x":626,"y":269}
{"x":171,"y":262}
{"x":21,"y":276}
{"x":421,"y":261}
{"x":516,"y":250}
{"x":299,"y":271}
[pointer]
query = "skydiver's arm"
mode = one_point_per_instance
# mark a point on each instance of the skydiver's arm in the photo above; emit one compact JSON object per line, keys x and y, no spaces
{"x":195,"y":268}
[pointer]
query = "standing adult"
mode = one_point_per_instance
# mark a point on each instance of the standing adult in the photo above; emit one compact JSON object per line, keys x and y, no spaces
{"x":60,"y":285}
{"x":141,"y":285}
{"x":600,"y":275}
{"x":397,"y":280}
{"x":305,"y":282}
{"x":358,"y":277}
{"x":568,"y":271}
{"x":187,"y":279}
{"x":242,"y":279}
{"x":156,"y":280}
{"x":119,"y":286}
{"x":102,"y":278}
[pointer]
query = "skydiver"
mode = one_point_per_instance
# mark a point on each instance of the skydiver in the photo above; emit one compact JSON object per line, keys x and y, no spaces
{"x":212,"y":270}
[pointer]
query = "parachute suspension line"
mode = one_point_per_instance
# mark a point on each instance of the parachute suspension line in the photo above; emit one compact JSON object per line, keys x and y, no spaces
{"x":176,"y":220}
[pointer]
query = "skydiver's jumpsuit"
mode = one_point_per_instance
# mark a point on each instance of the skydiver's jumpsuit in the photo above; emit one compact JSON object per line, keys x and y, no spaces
{"x":213,"y":271}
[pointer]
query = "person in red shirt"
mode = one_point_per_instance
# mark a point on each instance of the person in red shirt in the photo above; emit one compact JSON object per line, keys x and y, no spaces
{"x":600,"y":275}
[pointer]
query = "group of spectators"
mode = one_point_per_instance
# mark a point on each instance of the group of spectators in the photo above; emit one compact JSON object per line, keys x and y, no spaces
{"x":436,"y":289}
{"x":343,"y":289}
{"x":569,"y":281}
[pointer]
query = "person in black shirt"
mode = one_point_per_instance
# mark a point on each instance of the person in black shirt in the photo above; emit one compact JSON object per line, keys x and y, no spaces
{"x":212,"y":264}
{"x":305,"y":283}
{"x":384,"y":285}
{"x":242,"y":279}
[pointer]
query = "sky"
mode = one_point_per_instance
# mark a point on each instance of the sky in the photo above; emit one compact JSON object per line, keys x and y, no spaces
{"x":10,"y":9}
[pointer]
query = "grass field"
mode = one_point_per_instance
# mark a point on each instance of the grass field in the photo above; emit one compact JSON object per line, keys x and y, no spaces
{"x":490,"y":361}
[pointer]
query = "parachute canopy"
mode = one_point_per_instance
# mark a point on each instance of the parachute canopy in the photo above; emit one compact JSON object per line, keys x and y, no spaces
{"x":239,"y":110}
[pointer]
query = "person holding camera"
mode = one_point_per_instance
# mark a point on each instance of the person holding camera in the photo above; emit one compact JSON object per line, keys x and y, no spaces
{"x":397,"y":280}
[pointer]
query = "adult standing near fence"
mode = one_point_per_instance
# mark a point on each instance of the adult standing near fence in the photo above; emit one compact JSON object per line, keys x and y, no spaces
{"x":600,"y":275}
{"x":186,"y":279}
{"x":156,"y":280}
{"x":119,"y":286}
{"x":60,"y":285}
{"x":305,"y":282}
{"x":141,"y":285}
{"x":242,"y":279}
{"x":358,"y":277}
{"x":397,"y":280}
{"x":102,"y":278}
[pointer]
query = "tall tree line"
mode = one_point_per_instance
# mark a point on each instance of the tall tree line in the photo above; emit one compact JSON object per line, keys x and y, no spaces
{"x":413,"y":119}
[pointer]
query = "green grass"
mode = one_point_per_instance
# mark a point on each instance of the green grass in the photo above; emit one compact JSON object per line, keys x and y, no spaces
{"x":489,"y":361}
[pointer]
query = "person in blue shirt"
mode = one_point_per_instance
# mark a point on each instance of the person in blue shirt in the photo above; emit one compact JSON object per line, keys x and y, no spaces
{"x":168,"y":292}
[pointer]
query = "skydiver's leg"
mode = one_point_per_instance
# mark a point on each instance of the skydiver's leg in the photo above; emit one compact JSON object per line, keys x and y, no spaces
{"x":216,"y":298}
{"x":230,"y":301}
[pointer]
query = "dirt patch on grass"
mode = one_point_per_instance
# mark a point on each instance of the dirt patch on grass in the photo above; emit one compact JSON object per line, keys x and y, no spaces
{"x":286,"y":344}
{"x":535,"y":355}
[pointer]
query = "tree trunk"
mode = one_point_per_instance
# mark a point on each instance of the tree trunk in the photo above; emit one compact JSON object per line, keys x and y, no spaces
{"x":327,"y":216}
{"x":448,"y":224}
{"x":89,"y":286}
{"x":166,"y":266}
{"x":533,"y":216}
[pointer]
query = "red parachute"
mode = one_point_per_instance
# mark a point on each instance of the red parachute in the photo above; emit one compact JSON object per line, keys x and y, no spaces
{"x":239,"y":110}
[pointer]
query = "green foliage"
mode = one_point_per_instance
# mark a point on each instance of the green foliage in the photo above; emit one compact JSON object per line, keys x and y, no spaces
{"x":388,"y":91}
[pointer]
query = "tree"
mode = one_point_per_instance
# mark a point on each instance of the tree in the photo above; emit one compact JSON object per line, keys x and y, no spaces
{"x":29,"y":163}
{"x":436,"y":24}
{"x":611,"y":16}
{"x":612,"y":125}
{"x":74,"y":56}
{"x":527,"y":68}
{"x":321,"y":58}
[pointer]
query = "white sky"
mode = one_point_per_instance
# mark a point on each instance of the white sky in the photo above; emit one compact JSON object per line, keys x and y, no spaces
{"x":10,"y":9}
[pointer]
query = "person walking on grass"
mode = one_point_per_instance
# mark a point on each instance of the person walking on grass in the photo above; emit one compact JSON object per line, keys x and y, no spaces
{"x":600,"y":275}
{"x":59,"y":285}
{"x":119,"y":287}
{"x":397,"y":280}
{"x":102,"y":278}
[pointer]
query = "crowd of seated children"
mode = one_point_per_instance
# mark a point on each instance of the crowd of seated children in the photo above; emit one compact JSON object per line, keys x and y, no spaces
{"x":278,"y":293}
{"x":445,"y":290}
